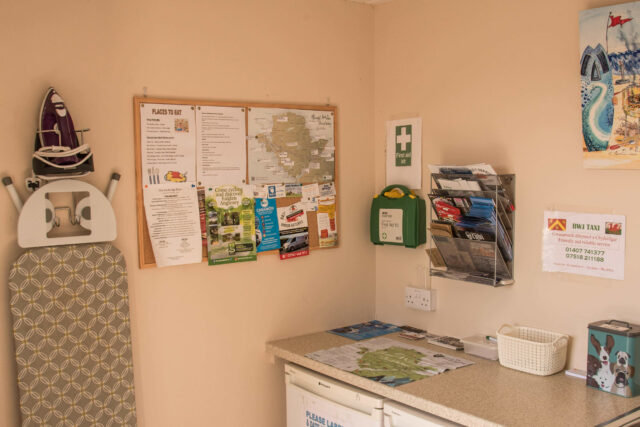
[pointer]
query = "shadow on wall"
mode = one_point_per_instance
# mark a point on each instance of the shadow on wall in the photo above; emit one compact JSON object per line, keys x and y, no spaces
{"x":491,"y":152}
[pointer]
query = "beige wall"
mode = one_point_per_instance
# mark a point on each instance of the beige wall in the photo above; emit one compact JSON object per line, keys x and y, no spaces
{"x":494,"y":81}
{"x":497,"y":82}
{"x":198,"y":331}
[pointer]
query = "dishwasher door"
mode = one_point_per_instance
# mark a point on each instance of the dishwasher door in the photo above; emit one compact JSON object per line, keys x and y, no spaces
{"x":314,"y":400}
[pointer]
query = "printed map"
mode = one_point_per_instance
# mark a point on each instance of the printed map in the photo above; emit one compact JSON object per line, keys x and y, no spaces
{"x":290,"y":146}
{"x":388,"y":361}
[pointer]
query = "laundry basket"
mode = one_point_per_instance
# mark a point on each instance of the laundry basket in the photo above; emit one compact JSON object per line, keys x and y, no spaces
{"x":531,"y":350}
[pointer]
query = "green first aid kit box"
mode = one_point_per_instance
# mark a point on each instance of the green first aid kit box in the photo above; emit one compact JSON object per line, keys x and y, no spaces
{"x":614,"y":357}
{"x":398,"y":217}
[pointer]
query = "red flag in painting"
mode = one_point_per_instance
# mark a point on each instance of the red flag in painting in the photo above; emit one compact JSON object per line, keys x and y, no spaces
{"x":617,"y":20}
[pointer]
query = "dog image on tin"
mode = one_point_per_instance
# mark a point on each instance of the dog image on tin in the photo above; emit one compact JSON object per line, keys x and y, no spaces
{"x":593,"y":366}
{"x":603,"y":380}
{"x":622,"y":371}
{"x":600,"y":370}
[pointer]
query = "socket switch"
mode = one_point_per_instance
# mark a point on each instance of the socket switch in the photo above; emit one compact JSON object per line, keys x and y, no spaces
{"x":419,"y":299}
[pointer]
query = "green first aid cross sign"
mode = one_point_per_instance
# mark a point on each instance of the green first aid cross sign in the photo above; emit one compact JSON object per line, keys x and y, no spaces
{"x":403,"y":145}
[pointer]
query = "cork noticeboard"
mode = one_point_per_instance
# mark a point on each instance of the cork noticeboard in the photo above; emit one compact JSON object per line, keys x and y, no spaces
{"x":146,"y":258}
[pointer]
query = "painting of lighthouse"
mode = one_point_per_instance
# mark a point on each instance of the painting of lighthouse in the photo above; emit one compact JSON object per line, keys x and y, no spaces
{"x":610,"y":86}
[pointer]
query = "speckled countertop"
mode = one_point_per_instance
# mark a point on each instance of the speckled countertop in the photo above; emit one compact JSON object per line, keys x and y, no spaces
{"x":483,"y":394}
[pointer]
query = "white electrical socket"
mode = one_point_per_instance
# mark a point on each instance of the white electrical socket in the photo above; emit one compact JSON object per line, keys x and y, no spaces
{"x":420,"y":299}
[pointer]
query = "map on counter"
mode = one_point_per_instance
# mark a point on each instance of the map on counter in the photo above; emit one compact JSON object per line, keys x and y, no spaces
{"x":290,"y":145}
{"x":387,"y":361}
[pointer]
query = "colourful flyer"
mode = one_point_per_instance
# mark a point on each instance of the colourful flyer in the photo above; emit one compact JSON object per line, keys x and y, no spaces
{"x":230,"y":224}
{"x":327,"y":229}
{"x":293,"y":190}
{"x":294,"y":231}
{"x":267,"y":232}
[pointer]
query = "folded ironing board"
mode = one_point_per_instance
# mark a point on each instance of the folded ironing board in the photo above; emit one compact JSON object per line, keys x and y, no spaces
{"x":70,"y":309}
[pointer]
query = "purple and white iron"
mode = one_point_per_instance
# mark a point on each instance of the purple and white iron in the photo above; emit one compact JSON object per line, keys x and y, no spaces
{"x":58,"y":153}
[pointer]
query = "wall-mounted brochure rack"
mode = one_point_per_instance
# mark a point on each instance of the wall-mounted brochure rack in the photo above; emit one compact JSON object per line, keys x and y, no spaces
{"x":471,"y":224}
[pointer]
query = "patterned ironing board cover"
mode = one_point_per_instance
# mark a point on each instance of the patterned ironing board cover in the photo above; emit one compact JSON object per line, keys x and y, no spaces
{"x":70,"y":309}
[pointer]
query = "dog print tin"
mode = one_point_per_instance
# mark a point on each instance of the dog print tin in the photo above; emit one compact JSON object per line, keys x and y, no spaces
{"x":614,"y":354}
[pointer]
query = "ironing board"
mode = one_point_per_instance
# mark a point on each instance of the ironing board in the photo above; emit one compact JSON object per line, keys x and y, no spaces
{"x":70,"y":311}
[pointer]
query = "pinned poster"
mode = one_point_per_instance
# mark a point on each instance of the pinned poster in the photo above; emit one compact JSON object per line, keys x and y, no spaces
{"x":327,"y":229}
{"x":294,"y":231}
{"x":581,"y":243}
{"x":276,"y":191}
{"x":404,"y":153}
{"x":174,"y":223}
{"x":231,"y":234}
{"x":327,"y":189}
{"x":293,"y":190}
{"x":259,"y":192}
{"x":168,"y":141}
{"x":267,"y":232}
{"x":221,"y":145}
{"x":310,"y":194}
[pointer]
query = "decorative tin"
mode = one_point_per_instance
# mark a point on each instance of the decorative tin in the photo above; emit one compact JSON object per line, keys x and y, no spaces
{"x":614,"y":354}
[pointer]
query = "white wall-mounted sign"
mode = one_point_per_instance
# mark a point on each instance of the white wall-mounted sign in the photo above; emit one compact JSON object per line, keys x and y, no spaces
{"x":581,"y":243}
{"x":404,"y":153}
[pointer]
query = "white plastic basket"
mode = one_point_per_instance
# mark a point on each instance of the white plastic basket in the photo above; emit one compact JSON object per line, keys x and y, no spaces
{"x":531,"y":350}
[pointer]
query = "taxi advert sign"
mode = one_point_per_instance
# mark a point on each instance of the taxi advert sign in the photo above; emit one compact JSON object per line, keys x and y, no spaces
{"x":581,"y":243}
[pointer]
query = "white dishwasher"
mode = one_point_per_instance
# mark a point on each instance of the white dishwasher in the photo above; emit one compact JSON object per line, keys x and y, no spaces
{"x":314,"y":400}
{"x":399,"y":415}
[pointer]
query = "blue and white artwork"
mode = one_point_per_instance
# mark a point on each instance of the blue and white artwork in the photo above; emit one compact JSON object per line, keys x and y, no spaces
{"x":610,"y":86}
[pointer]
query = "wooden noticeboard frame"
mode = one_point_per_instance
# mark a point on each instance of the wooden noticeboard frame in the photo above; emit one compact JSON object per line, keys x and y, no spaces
{"x":146,"y":258}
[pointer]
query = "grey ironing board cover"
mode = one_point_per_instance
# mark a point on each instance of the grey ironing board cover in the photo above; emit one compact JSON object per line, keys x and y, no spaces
{"x":70,"y":308}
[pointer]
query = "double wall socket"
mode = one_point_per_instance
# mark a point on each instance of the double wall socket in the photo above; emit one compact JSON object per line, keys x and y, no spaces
{"x":420,"y":299}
